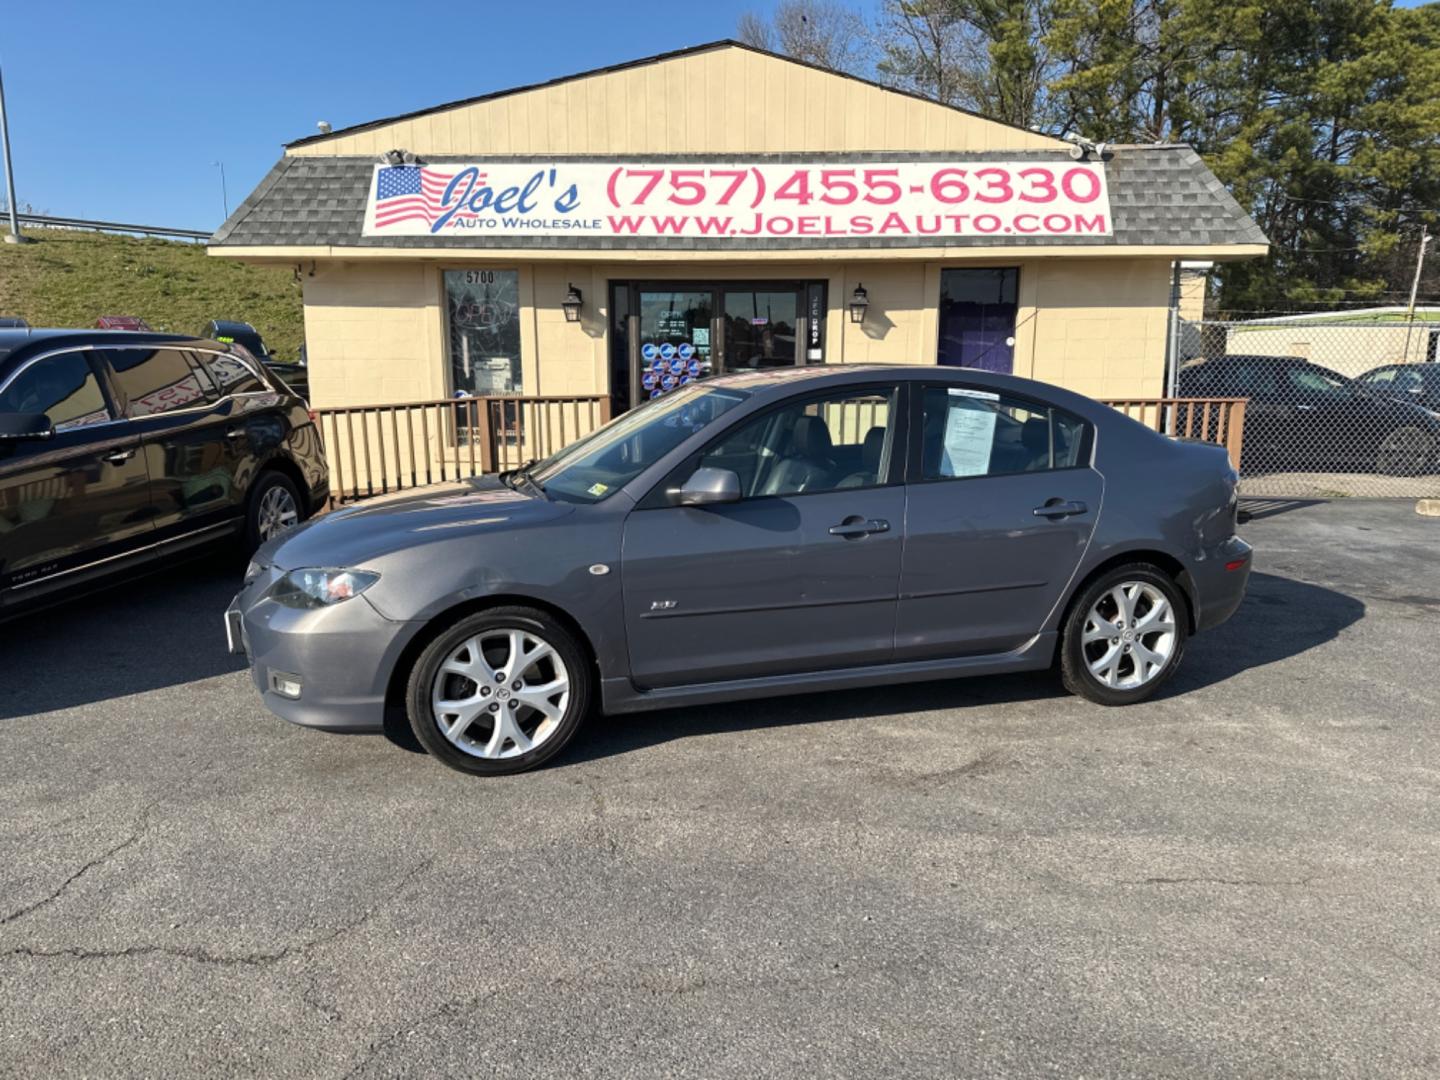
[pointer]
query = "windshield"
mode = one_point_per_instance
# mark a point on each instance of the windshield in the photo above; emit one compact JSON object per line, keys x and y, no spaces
{"x":600,"y":464}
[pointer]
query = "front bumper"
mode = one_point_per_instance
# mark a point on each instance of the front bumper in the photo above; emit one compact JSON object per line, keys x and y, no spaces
{"x":342,"y":657}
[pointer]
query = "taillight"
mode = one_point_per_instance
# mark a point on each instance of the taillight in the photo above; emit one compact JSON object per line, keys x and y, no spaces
{"x":1236,"y":564}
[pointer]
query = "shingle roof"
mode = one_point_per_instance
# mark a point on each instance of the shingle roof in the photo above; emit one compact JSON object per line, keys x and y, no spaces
{"x":1159,"y":195}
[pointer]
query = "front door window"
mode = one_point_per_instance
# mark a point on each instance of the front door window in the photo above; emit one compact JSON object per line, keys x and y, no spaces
{"x":484,"y":321}
{"x":977,"y":317}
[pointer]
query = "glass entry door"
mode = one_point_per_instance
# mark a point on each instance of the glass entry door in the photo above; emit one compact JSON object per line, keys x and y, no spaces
{"x":667,"y":334}
{"x":673,"y":338}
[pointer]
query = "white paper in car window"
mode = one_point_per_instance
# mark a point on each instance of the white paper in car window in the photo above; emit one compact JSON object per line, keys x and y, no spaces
{"x":969,"y":433}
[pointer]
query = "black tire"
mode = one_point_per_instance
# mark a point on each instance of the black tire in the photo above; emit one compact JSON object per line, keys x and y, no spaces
{"x":481,"y":731}
{"x":256,"y":522}
{"x":1406,"y":451}
{"x":1075,"y":664}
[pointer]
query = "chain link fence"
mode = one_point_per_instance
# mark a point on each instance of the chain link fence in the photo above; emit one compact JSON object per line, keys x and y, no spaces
{"x":1335,"y":408}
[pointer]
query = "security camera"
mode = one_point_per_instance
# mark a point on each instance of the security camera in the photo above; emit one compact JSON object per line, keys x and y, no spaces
{"x":324,"y":126}
{"x":1077,"y":152}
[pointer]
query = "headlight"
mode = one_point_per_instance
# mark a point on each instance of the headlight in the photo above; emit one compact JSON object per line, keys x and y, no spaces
{"x":315,"y":587}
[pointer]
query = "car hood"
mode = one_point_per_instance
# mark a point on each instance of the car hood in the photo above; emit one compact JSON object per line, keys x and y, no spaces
{"x":387,"y":523}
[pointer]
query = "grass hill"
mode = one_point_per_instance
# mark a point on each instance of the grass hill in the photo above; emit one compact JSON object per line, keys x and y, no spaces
{"x":71,"y":278}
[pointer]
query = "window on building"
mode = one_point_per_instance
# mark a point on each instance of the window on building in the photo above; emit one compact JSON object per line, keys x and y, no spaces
{"x":980,"y":433}
{"x":61,"y":387}
{"x":484,"y":322}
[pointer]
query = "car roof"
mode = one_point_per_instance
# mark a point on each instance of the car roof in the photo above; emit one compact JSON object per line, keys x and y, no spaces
{"x":13,"y":342}
{"x":769,"y":383}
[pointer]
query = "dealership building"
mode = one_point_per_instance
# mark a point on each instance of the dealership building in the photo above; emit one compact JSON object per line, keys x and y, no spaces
{"x":626,"y":230}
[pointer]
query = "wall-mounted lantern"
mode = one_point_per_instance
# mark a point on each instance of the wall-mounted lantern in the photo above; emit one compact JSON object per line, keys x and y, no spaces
{"x":571,"y":305}
{"x":859,"y":301}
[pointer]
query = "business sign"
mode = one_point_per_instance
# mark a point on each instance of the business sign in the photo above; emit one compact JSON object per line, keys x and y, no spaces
{"x":739,"y":201}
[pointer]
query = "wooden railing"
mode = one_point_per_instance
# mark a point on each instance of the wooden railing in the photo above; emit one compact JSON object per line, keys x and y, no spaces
{"x":376,"y":449}
{"x":1217,"y":420}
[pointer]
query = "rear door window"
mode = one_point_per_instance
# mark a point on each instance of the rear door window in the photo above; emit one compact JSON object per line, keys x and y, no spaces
{"x":156,"y":381}
{"x":972,"y":432}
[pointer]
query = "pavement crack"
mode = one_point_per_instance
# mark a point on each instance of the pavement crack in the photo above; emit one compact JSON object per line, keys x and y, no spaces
{"x":1237,"y":882}
{"x":141,"y":827}
{"x":604,"y":834}
{"x":259,"y":958}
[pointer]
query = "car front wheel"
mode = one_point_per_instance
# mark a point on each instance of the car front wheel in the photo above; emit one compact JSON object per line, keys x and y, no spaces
{"x":499,"y":692}
{"x":1124,"y":636}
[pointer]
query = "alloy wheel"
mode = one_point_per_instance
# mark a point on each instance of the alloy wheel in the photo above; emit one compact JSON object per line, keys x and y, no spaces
{"x":1129,"y":635}
{"x":501,"y":693}
{"x":277,"y":512}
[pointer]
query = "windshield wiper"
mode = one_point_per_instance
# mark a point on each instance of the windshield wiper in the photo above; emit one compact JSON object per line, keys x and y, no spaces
{"x":516,"y":477}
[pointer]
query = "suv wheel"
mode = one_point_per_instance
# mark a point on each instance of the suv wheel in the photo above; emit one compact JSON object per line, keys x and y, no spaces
{"x":1124,"y":636}
{"x":499,"y":692}
{"x":274,"y":507}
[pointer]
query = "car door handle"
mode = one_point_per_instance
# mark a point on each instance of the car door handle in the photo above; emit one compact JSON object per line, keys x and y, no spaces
{"x":1058,"y":508}
{"x":853,"y":527}
{"x":119,"y":457}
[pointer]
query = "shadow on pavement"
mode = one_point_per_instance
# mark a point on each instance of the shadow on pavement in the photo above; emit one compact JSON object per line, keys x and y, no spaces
{"x":1280,"y":618}
{"x":162,"y":629}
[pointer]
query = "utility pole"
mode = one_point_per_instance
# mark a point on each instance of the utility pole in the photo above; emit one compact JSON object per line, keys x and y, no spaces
{"x":14,"y":236}
{"x":1414,"y":288}
{"x":224,"y":194}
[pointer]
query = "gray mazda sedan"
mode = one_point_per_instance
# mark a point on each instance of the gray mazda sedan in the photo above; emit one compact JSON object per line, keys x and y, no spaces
{"x":751,"y":535}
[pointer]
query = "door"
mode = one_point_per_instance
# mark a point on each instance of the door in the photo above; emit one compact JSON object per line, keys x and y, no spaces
{"x":77,"y":498}
{"x":761,"y":327}
{"x":977,"y":317}
{"x":997,"y":519}
{"x":192,"y":438}
{"x":801,"y":574}
{"x":673,"y":345}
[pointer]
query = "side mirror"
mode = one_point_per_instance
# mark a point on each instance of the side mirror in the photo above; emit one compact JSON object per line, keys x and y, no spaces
{"x":708,"y":487}
{"x":16,"y":426}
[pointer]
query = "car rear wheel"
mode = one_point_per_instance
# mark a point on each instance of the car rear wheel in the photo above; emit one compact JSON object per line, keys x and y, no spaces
{"x":1406,"y":451}
{"x":1124,"y":636}
{"x":274,"y":506}
{"x":499,"y":692}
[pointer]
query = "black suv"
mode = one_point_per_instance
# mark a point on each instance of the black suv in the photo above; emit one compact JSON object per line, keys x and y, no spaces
{"x":120,"y":448}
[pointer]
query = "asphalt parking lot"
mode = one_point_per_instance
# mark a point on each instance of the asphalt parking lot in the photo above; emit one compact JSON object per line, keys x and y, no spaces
{"x":968,"y":878}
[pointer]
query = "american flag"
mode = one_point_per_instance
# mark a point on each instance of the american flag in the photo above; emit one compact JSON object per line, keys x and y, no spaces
{"x":409,"y":192}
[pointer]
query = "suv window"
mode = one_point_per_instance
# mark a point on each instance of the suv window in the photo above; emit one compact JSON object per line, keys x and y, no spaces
{"x":980,"y":433}
{"x":63,"y":387}
{"x":838,"y":440}
{"x":158,"y":380}
{"x":232,"y":373}
{"x":1315,"y":380}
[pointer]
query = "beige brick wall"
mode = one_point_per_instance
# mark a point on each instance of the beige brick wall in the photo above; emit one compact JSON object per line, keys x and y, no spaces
{"x":373,"y":333}
{"x":1095,"y":326}
{"x":375,"y":330}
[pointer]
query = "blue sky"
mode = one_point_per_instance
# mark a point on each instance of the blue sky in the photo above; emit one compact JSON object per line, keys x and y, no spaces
{"x":119,"y":116}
